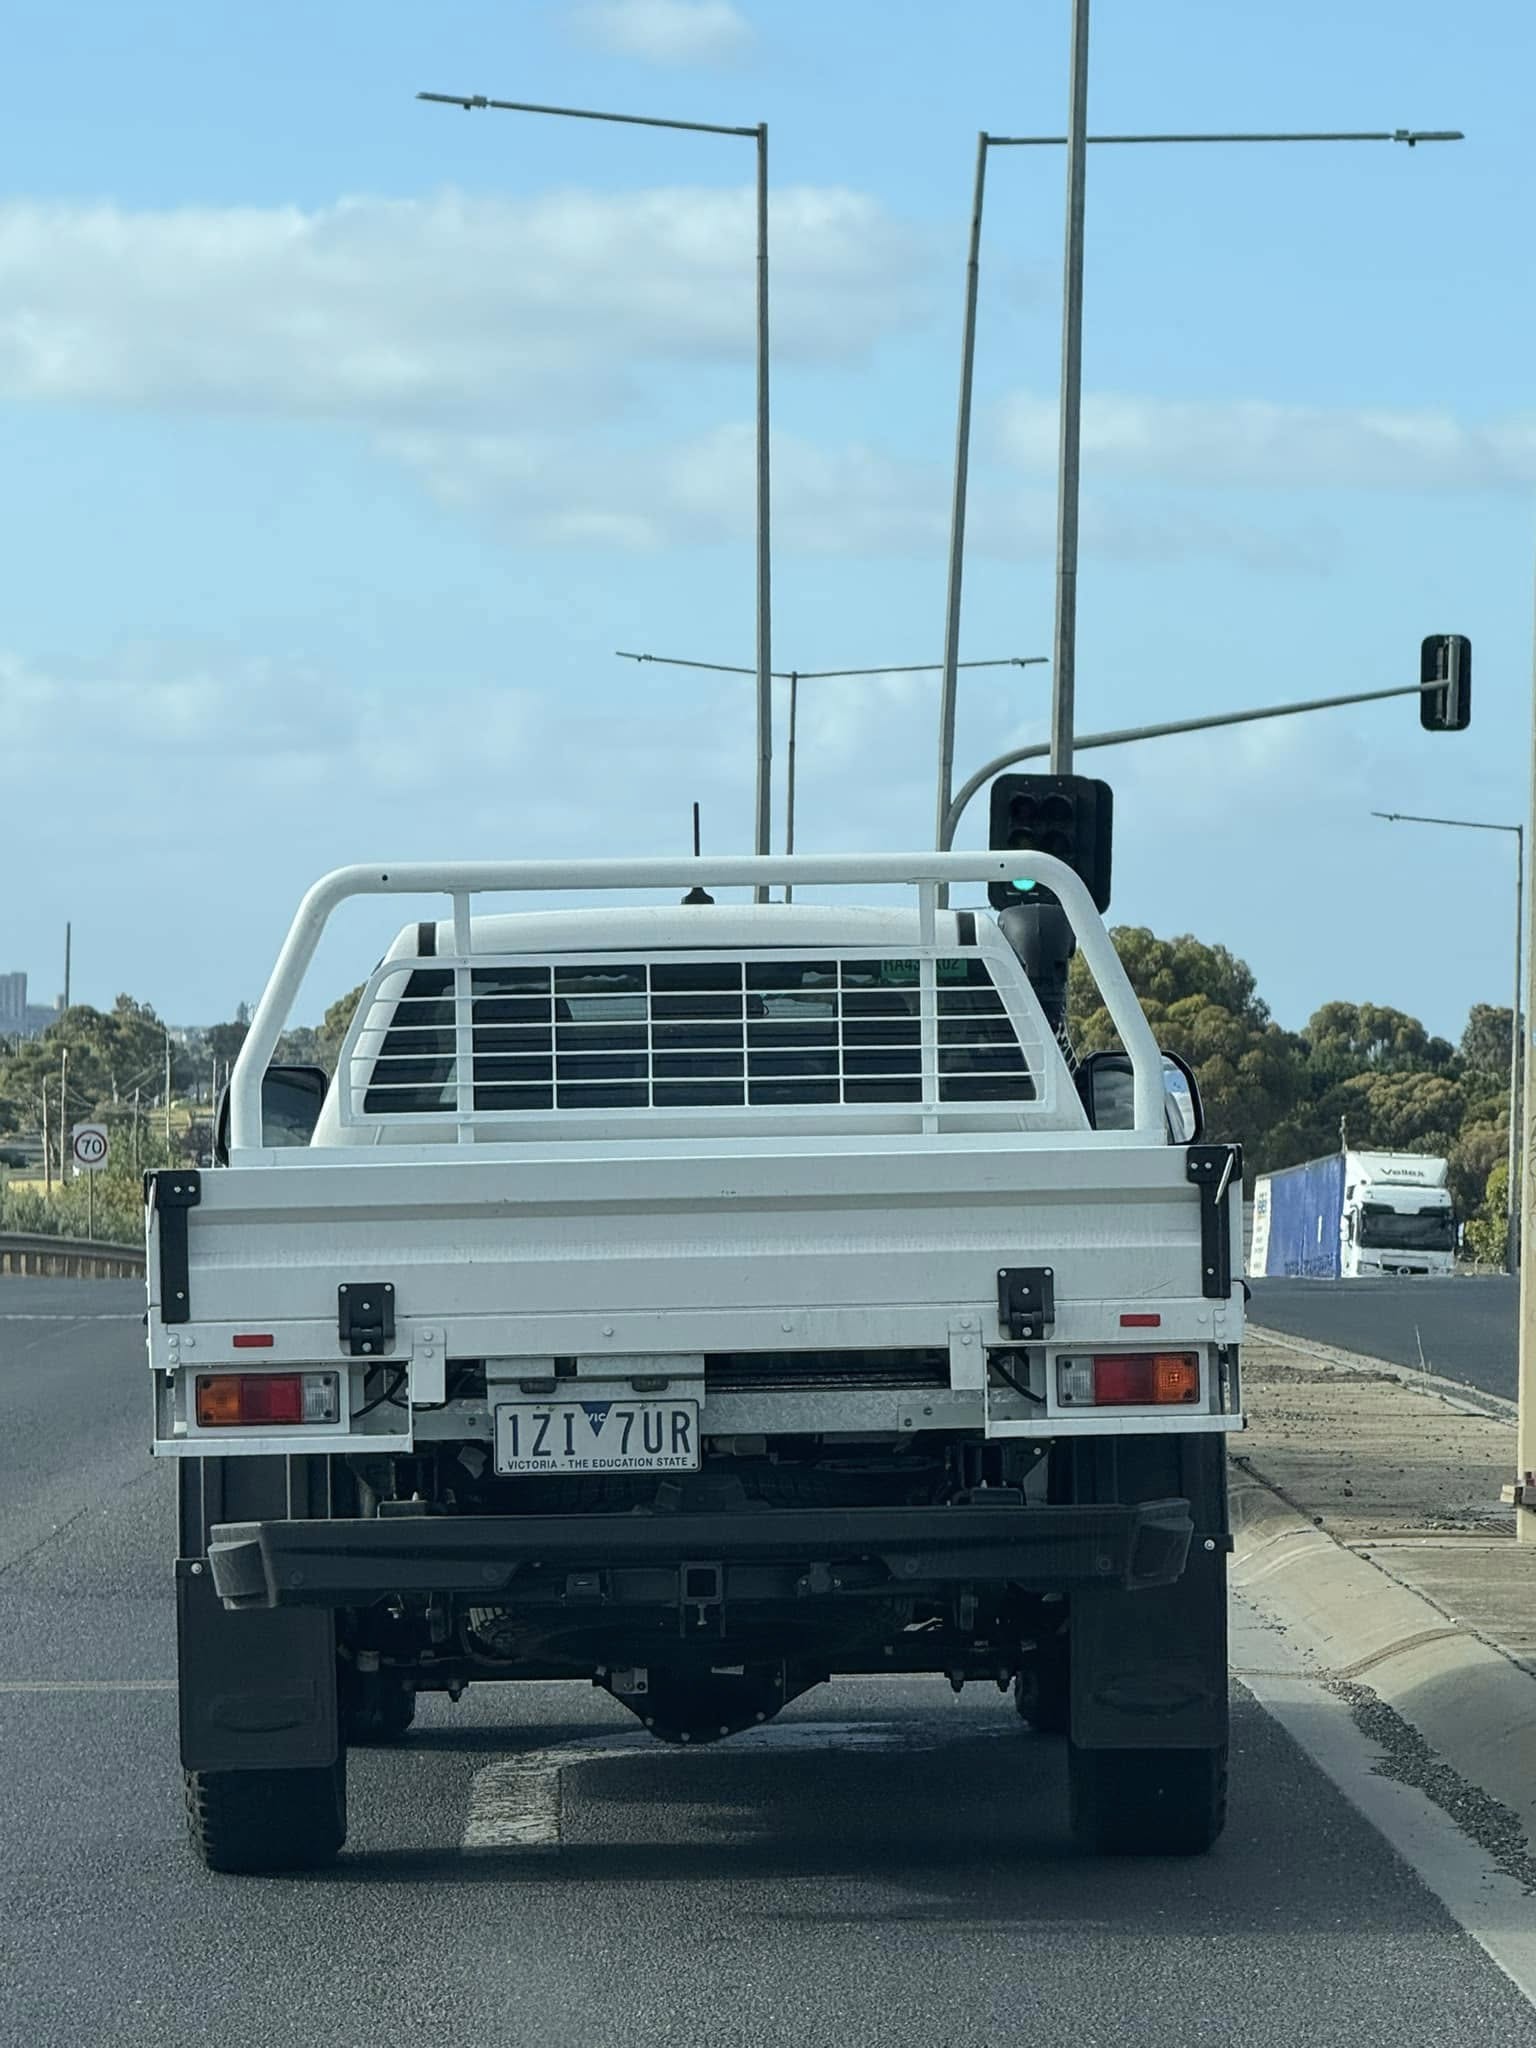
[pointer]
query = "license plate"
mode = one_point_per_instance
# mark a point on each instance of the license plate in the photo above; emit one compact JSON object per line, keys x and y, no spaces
{"x":597,"y":1436}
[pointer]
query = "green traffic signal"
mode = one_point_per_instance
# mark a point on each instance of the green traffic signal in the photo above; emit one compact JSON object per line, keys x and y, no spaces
{"x":1069,"y":817}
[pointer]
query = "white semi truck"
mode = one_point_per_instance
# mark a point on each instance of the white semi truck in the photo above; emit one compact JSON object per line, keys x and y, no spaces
{"x":702,"y":1299}
{"x":1354,"y":1216}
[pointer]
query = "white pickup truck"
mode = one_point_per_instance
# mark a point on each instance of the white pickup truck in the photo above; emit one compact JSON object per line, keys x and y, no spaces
{"x":701,"y":1299}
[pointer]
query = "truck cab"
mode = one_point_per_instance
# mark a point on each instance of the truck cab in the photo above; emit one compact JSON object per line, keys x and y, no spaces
{"x":1398,"y":1216}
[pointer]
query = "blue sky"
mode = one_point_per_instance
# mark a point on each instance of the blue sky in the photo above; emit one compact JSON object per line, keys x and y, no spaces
{"x":347,"y":437}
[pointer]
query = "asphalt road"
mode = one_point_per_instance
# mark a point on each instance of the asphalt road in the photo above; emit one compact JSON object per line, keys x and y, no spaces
{"x":1464,"y":1328}
{"x":885,"y":1865}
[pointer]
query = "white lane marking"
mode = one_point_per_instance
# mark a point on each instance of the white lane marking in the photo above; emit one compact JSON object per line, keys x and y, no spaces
{"x":515,"y":1803}
{"x":87,"y":1685}
{"x":121,"y":1315}
{"x":1483,"y":1900}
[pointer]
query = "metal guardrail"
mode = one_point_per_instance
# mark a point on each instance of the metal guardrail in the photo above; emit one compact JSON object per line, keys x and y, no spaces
{"x":69,"y":1258}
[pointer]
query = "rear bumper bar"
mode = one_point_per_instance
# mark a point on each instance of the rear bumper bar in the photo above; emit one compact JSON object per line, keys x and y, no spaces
{"x":513,"y":1558}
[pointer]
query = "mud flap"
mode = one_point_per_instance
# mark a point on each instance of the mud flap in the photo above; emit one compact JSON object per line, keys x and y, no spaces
{"x":257,"y":1690}
{"x":1149,"y":1668}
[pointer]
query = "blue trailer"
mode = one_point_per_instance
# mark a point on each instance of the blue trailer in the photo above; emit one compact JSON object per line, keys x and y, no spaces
{"x":1353,"y":1215}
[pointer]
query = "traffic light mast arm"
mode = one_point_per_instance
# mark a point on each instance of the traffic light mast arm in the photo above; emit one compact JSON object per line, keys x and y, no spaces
{"x":1041,"y":750}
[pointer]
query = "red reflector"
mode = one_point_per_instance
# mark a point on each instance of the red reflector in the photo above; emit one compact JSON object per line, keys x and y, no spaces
{"x":1144,"y":1379}
{"x":1134,"y":1322}
{"x":244,"y":1398}
{"x":273,"y":1397}
{"x":248,"y":1340}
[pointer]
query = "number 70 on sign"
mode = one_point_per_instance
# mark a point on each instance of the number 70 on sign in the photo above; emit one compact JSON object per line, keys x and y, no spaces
{"x":89,"y":1147}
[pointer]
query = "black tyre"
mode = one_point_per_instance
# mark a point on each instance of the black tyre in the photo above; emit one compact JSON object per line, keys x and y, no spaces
{"x":376,"y":1708}
{"x":1147,"y":1802}
{"x":267,"y":1821}
{"x":1042,"y":1691}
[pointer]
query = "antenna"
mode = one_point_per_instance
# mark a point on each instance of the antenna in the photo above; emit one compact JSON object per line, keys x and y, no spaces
{"x":697,"y":894}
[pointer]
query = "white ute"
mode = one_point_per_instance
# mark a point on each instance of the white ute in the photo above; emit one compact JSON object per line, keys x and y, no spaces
{"x":702,"y":1300}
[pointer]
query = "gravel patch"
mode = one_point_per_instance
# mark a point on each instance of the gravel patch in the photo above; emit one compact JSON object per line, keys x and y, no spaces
{"x":1408,"y":1759}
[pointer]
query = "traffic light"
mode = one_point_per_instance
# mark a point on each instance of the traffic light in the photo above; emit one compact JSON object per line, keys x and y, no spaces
{"x":1446,"y":659}
{"x":1070,"y":816}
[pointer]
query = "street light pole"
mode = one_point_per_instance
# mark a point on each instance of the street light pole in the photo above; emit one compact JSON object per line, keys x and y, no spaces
{"x":796,"y":676}
{"x":758,"y":133}
{"x":948,"y":693}
{"x":1525,"y":1388}
{"x":1071,"y":399}
{"x":1512,"y":1206}
{"x":1069,"y":465}
{"x":764,"y":793}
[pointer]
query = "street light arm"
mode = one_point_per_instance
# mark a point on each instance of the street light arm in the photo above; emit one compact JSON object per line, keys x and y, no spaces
{"x":469,"y":102}
{"x":1412,"y":136}
{"x":724,"y":668}
{"x":817,"y":675}
{"x":913,"y":668}
{"x":1465,"y":824}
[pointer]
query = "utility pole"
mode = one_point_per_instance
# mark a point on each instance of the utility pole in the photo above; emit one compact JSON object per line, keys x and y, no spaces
{"x":47,"y":1147}
{"x":167,"y":1088}
{"x":66,"y":965}
{"x":138,"y":1145}
{"x":63,"y":1114}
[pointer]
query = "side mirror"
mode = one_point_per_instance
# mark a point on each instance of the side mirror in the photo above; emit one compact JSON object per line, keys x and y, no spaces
{"x":1107,"y":1086}
{"x":1181,"y":1100}
{"x":291,"y":1100}
{"x":1106,"y":1083}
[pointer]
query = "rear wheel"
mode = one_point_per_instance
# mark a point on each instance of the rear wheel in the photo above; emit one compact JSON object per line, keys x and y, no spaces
{"x":377,"y":1707}
{"x":1042,"y":1691}
{"x":267,"y":1821}
{"x":1147,"y":1802}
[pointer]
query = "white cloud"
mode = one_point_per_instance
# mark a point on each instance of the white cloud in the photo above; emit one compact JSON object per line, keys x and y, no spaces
{"x":852,"y":499}
{"x":552,"y":490}
{"x":405,"y":310}
{"x":666,"y":31}
{"x":1256,"y":443}
{"x":153,"y":720}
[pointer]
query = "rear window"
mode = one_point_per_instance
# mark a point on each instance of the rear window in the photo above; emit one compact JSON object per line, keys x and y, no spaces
{"x":709,"y":1034}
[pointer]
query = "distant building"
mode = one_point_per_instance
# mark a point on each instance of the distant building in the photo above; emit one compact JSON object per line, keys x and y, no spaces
{"x":18,"y":1017}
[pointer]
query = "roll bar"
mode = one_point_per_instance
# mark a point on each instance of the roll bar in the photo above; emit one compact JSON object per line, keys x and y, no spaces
{"x":459,"y":880}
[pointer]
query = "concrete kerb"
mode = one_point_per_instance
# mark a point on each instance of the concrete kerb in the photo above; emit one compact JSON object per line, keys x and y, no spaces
{"x":1353,"y":1625}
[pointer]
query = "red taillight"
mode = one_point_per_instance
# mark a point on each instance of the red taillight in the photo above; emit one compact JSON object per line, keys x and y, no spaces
{"x":245,"y":1399}
{"x":1144,"y":1379}
{"x":252,"y":1340}
{"x":1127,"y":1322}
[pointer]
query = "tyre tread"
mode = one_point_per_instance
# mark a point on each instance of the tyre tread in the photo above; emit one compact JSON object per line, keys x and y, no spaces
{"x":1148,"y":1802}
{"x":250,"y":1822}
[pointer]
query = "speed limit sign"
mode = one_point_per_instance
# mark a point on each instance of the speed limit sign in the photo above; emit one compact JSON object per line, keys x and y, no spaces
{"x":89,"y":1147}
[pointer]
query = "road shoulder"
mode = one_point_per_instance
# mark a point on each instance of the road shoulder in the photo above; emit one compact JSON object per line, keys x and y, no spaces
{"x":1370,"y":1537}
